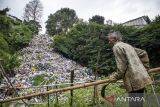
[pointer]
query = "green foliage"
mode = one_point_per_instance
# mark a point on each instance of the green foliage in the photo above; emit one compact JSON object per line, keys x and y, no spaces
{"x":20,"y":37}
{"x":157,"y":18}
{"x":3,"y":44}
{"x":97,"y":19}
{"x":10,"y":61}
{"x":14,"y":35}
{"x":17,"y":34}
{"x":4,"y":11}
{"x":83,"y":45}
{"x":5,"y":24}
{"x":118,"y":89}
{"x":150,"y":40}
{"x":147,"y":38}
{"x":61,"y":21}
{"x":38,"y":79}
{"x":33,"y":26}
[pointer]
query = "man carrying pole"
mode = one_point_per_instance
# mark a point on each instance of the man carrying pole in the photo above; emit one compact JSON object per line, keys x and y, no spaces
{"x":129,"y":68}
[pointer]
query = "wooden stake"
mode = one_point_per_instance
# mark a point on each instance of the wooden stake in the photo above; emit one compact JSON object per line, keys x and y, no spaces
{"x":9,"y":82}
{"x":72,"y":78}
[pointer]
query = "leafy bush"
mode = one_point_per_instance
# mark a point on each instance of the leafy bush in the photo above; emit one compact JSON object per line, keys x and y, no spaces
{"x":20,"y":37}
{"x":3,"y":44}
{"x":5,"y":25}
{"x":14,"y":35}
{"x":38,"y":79}
{"x":61,"y":21}
{"x":82,"y":44}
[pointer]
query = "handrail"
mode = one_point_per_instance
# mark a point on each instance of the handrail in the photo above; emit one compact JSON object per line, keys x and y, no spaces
{"x":154,"y":70}
{"x":57,"y":90}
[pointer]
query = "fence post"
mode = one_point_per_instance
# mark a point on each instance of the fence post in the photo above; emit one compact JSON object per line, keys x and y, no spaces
{"x":95,"y":88}
{"x":56,"y":93}
{"x":1,"y":105}
{"x":72,"y":78}
{"x":2,"y":71}
{"x":47,"y":97}
{"x":96,"y":97}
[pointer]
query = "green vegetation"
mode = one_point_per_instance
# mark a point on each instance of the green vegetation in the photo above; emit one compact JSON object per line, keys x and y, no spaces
{"x":81,"y":43}
{"x":84,"y":98}
{"x":14,"y":35}
{"x":41,"y":80}
{"x":61,"y":21}
{"x":97,"y":19}
{"x":38,"y":79}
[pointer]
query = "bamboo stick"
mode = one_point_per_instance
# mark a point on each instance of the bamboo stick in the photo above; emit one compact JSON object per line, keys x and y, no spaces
{"x":57,"y":90}
{"x":154,"y":70}
{"x":7,"y":79}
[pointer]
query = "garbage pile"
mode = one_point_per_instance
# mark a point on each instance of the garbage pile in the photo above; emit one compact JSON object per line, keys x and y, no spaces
{"x":40,"y":59}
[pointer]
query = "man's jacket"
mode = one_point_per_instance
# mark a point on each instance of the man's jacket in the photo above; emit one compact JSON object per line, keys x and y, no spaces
{"x":130,"y":67}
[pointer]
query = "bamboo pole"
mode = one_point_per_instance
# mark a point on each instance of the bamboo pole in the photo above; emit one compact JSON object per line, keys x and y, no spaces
{"x":154,"y":70}
{"x":7,"y":79}
{"x":58,"y":90}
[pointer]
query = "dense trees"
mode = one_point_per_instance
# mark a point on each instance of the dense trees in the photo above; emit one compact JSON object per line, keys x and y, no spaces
{"x":149,"y":39}
{"x":82,"y":43}
{"x":14,"y":35}
{"x":61,"y":21}
{"x":32,"y":25}
{"x":97,"y":19}
{"x":4,"y":11}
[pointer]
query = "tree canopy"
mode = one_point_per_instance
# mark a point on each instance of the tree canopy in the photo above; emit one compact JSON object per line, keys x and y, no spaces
{"x":97,"y":19}
{"x":14,"y":35}
{"x":33,"y":11}
{"x":61,"y":21}
{"x":82,"y":43}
